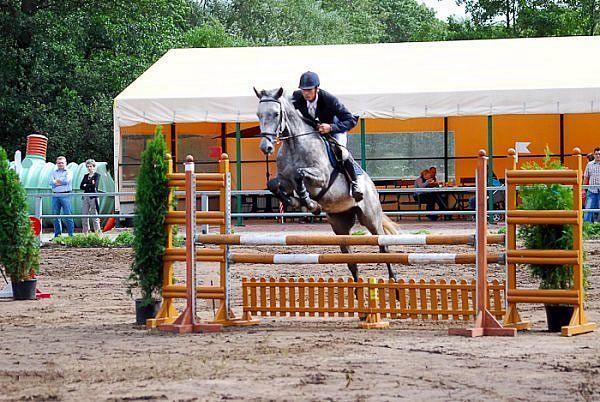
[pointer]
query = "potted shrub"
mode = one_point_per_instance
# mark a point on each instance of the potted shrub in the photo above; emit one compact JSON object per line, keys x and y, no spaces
{"x":19,"y":248}
{"x":150,"y":238}
{"x":552,"y":197}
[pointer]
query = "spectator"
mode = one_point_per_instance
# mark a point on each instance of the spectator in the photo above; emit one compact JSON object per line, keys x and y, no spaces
{"x":89,"y":206}
{"x":425,"y":180}
{"x":61,"y":183}
{"x":591,"y":177}
{"x":433,"y":172}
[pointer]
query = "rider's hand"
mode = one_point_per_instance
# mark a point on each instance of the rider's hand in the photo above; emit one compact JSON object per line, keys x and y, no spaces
{"x":324,"y":128}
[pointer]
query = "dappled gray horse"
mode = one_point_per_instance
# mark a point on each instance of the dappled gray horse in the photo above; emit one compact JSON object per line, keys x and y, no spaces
{"x":305,"y":175}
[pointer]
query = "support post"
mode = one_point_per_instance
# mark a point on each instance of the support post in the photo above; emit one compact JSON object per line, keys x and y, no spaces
{"x":238,"y":171}
{"x":363,"y":145}
{"x":485,"y":322}
{"x":562,"y":138}
{"x":188,"y":322}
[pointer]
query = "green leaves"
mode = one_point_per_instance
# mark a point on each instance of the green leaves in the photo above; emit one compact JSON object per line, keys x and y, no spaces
{"x":19,"y":249}
{"x":152,"y":195}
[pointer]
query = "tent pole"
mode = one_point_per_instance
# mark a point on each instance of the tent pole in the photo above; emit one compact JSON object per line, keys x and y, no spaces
{"x":490,"y":172}
{"x":562,"y":139}
{"x":446,"y":175}
{"x":238,"y":171}
{"x":363,"y":146}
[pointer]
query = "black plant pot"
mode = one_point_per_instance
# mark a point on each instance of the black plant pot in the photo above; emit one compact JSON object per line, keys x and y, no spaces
{"x":558,"y":315}
{"x":24,"y":290}
{"x":143,"y":313}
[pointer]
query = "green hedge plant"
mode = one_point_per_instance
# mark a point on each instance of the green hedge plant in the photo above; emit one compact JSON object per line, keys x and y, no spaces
{"x":548,"y":237}
{"x":19,"y":248}
{"x":149,"y":242}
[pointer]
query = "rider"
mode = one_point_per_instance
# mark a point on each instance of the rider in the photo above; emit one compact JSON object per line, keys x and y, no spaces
{"x":331,"y":118}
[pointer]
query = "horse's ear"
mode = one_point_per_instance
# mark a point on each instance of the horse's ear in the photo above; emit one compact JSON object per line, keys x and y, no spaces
{"x":257,"y":93}
{"x":279,"y":93}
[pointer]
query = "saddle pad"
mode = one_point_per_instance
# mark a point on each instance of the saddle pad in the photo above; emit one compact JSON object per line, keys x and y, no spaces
{"x":334,"y":163}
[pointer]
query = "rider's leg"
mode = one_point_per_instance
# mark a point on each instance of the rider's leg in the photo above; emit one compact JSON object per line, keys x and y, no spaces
{"x":347,"y":162}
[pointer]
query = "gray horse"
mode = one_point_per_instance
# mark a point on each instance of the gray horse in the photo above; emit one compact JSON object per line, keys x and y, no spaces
{"x":305,"y":175}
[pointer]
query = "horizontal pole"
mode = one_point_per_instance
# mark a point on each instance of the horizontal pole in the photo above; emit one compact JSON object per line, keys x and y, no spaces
{"x":360,"y":258}
{"x":200,"y":184}
{"x":546,"y":213}
{"x":543,"y":292}
{"x":543,"y":253}
{"x":543,"y":180}
{"x":199,"y":295}
{"x":543,"y":300}
{"x":542,"y":261}
{"x":199,"y":214}
{"x":342,"y":240}
{"x":542,"y":221}
{"x":199,"y":176}
{"x":204,"y":221}
{"x":200,"y":289}
{"x":541,"y":173}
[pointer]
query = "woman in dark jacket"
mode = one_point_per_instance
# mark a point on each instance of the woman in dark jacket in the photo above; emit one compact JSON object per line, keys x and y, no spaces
{"x":89,"y":184}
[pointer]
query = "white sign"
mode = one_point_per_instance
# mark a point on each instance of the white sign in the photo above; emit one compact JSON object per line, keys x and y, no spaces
{"x":521,"y":147}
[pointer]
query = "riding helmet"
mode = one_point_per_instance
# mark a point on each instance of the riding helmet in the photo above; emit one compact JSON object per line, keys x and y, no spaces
{"x":309,"y":80}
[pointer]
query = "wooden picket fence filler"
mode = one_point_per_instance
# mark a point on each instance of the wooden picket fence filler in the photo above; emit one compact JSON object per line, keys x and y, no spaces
{"x":428,"y":300}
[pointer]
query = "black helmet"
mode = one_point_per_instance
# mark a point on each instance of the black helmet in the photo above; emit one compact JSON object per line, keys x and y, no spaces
{"x":309,"y":80}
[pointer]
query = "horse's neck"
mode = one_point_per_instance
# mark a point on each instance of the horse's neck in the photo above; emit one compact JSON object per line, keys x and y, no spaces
{"x":303,"y":140}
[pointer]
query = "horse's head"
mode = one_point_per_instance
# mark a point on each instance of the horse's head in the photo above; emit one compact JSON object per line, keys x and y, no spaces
{"x":271,"y":117}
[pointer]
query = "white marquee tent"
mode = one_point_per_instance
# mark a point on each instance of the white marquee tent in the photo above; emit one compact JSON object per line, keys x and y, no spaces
{"x":398,"y":80}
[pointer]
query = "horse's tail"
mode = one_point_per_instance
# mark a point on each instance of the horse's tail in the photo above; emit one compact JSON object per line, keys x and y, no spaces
{"x":389,"y":227}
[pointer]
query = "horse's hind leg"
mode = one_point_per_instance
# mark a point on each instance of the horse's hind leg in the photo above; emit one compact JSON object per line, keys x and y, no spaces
{"x":342,"y":223}
{"x":375,"y":226}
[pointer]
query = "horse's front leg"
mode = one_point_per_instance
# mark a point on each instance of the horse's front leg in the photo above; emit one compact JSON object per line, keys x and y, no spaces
{"x":313,"y":176}
{"x":282,"y":189}
{"x":304,"y":197}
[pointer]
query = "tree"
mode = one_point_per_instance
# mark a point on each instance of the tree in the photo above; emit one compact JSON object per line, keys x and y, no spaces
{"x":19,"y":251}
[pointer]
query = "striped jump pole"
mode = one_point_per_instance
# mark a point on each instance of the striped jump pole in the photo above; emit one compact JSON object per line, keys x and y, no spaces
{"x":362,"y":258}
{"x":485,"y":322}
{"x":280,"y":239}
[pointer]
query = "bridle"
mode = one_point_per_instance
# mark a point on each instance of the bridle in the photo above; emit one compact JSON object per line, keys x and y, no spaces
{"x":281,"y":128}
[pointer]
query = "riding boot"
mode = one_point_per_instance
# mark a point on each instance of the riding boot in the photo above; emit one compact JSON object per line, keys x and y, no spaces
{"x":351,"y":173}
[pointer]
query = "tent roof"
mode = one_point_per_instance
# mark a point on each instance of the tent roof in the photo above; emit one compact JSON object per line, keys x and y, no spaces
{"x":396,"y":80}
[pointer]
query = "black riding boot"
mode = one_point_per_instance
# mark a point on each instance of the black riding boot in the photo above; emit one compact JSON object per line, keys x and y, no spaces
{"x":351,"y":174}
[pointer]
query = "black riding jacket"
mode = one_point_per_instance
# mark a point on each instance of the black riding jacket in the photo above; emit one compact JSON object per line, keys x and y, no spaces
{"x":328,"y":107}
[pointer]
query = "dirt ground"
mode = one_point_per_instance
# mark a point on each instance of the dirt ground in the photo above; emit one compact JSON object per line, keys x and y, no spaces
{"x":82,"y":344}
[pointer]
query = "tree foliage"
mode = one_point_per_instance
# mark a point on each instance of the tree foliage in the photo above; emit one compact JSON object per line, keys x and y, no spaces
{"x":19,"y":249}
{"x":64,"y":61}
{"x":149,"y":242}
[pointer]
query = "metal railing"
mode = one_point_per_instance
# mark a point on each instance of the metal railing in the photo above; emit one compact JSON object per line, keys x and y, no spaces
{"x":204,"y":196}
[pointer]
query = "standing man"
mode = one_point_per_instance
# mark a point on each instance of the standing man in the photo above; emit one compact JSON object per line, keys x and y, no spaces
{"x":591,"y":177}
{"x":331,"y":119}
{"x":61,"y":183}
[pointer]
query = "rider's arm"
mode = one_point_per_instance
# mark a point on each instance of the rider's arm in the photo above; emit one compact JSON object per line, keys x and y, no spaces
{"x":345,"y":121}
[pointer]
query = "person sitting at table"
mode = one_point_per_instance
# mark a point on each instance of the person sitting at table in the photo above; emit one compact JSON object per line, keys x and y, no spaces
{"x":425,"y":180}
{"x":433,"y":172}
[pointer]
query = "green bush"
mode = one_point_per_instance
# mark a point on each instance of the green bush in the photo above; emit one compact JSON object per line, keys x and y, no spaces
{"x":149,"y":242}
{"x":84,"y":240}
{"x":19,"y":248}
{"x":591,"y":231}
{"x":548,"y":237}
{"x":124,"y":239}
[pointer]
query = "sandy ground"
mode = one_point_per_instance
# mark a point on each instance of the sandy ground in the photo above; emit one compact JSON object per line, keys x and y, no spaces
{"x":82,"y":344}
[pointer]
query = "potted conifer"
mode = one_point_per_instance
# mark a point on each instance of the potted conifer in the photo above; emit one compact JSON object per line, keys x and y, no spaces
{"x":19,"y":248}
{"x":150,"y":238}
{"x":550,"y":197}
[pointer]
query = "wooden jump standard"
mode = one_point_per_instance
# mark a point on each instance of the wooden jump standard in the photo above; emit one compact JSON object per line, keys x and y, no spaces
{"x":575,"y":296}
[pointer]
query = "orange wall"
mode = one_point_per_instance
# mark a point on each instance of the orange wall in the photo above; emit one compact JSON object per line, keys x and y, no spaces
{"x":470,"y":134}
